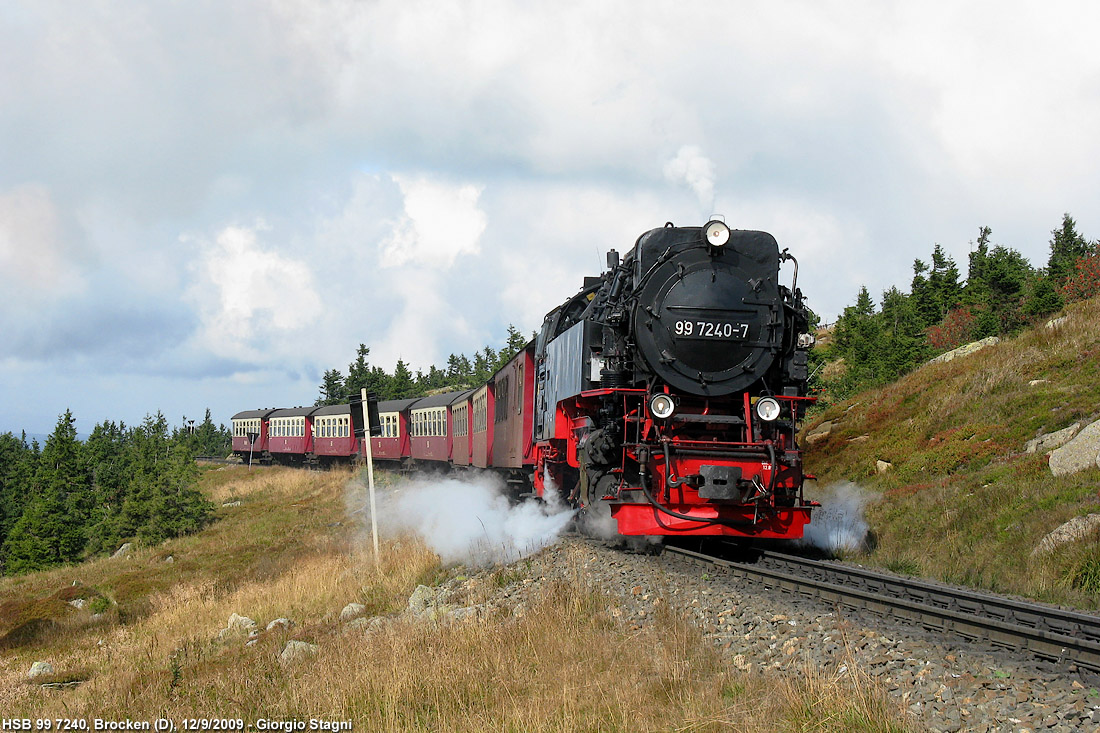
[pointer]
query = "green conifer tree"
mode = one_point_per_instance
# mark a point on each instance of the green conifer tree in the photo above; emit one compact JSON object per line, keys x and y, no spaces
{"x":1066,"y":247}
{"x":52,"y":527}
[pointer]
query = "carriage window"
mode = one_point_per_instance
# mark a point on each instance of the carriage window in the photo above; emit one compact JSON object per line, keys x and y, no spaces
{"x":500,"y":413}
{"x":519,"y":388}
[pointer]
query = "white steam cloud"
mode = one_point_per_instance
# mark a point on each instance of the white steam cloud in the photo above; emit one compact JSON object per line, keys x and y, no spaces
{"x":470,"y":521}
{"x":696,"y":170}
{"x":839,"y":526}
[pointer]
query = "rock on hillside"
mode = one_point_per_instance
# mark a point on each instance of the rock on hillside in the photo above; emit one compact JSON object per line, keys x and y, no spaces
{"x":1078,"y":528}
{"x":965,"y":350}
{"x":1050,"y":441}
{"x":1080,"y":453}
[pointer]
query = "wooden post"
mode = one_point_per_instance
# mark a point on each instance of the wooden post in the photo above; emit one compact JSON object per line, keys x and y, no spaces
{"x":370,"y":478}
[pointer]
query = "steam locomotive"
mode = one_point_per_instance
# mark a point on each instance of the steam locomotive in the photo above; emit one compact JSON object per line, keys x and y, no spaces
{"x":670,"y":388}
{"x":667,"y":393}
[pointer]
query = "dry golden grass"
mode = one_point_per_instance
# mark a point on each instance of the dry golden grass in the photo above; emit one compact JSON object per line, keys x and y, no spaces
{"x":565,"y":664}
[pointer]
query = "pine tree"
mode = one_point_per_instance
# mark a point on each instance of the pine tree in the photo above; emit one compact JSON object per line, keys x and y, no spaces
{"x":333,"y":391}
{"x":924,"y":299}
{"x":904,"y":344}
{"x":515,"y":343}
{"x":107,"y":453}
{"x":459,"y":371}
{"x":210,"y":440}
{"x":361,"y":375}
{"x":51,"y":529}
{"x":857,"y":338}
{"x":17,"y":467}
{"x":936,"y":294}
{"x":976,"y":290}
{"x":943,"y":280}
{"x":161,"y":501}
{"x":1042,"y":296}
{"x":401,"y":385}
{"x":1066,"y":247}
{"x":1006,"y":276}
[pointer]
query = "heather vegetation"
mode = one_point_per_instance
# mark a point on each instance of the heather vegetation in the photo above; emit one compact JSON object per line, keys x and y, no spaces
{"x":73,"y":499}
{"x":461,"y":373}
{"x":940,"y":447}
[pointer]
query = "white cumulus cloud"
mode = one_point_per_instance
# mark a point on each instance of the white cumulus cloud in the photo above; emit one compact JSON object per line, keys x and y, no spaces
{"x":250,"y":299}
{"x":441,"y":221}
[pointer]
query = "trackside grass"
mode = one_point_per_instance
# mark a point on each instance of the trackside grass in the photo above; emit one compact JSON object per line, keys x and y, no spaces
{"x":961,"y":501}
{"x":565,"y":664}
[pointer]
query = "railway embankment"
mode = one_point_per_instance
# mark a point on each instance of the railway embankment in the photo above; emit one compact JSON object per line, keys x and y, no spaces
{"x":981,"y":470}
{"x":277,"y":611}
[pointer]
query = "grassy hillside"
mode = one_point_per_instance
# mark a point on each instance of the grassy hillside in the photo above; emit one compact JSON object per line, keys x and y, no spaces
{"x":146,"y":643}
{"x":961,"y":501}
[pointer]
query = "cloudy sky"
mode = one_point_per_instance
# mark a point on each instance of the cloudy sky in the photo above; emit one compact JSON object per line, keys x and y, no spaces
{"x":207,"y":204}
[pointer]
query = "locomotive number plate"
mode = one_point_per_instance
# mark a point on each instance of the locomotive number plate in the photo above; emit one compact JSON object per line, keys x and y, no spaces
{"x":711,"y":330}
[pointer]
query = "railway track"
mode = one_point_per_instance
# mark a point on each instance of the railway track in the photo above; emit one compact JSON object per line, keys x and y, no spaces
{"x":1045,"y":632}
{"x":217,"y":459}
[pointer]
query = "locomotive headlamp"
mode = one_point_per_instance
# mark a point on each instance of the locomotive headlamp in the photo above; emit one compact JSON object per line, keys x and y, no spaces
{"x":662,"y":406}
{"x":716,"y":233}
{"x":767,"y":408}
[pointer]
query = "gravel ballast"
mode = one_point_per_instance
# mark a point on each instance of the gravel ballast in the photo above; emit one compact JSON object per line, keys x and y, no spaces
{"x":945,"y":684}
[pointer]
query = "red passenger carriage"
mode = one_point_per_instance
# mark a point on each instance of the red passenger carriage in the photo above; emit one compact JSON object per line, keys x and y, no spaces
{"x":394,"y":443}
{"x":333,"y":434}
{"x":430,"y":429}
{"x":290,"y":434}
{"x":250,"y":438}
{"x":461,"y":422}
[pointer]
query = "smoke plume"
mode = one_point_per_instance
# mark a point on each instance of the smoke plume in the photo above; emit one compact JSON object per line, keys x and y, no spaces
{"x":468,"y":520}
{"x":839,"y":526}
{"x":696,"y":170}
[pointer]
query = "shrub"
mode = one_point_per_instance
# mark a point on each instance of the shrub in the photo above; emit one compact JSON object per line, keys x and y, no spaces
{"x":957,"y":329}
{"x":1084,"y":283}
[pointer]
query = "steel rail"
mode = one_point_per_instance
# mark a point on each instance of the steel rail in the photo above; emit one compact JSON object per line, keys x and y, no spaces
{"x":958,"y":612}
{"x":1022,"y":613}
